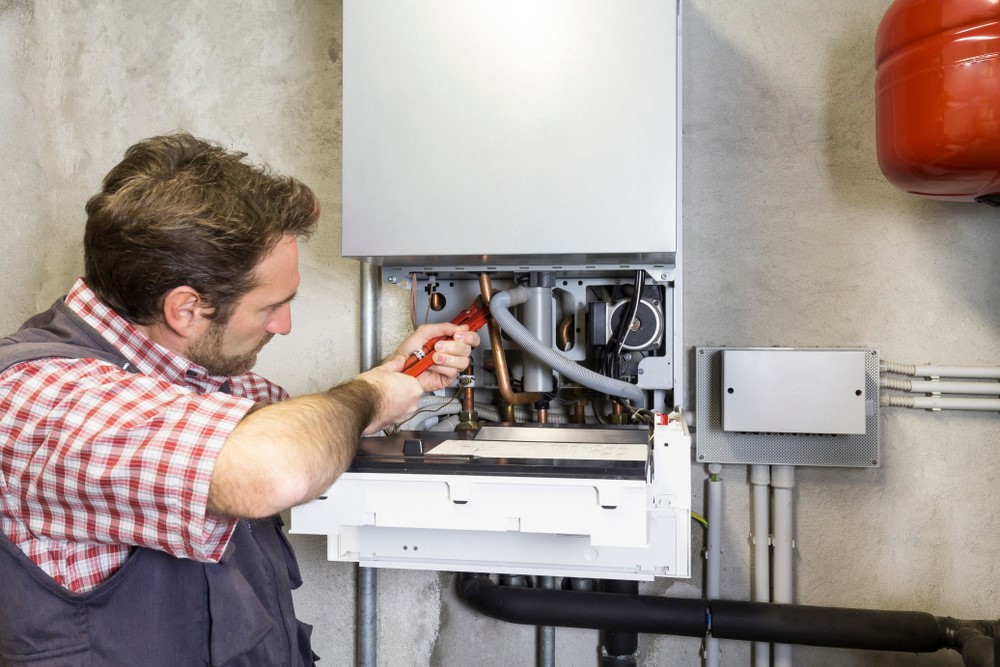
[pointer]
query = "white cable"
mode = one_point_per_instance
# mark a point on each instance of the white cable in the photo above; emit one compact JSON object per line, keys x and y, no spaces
{"x":939,"y":403}
{"x":932,"y":371}
{"x":938,"y":387}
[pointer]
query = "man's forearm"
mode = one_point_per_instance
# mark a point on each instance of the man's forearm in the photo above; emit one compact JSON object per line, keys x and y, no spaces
{"x":290,"y":452}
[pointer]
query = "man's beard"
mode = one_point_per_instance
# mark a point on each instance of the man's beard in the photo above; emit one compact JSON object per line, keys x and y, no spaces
{"x":206,"y":351}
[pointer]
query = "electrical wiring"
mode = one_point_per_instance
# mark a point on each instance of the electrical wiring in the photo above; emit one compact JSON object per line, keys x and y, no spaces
{"x":699,"y":519}
{"x":610,"y":360}
{"x":942,"y":380}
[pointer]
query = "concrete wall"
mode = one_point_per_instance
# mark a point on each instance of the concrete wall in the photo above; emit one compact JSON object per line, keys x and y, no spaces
{"x":792,"y":238}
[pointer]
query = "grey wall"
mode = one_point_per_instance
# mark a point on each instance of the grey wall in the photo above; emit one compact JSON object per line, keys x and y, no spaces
{"x":792,"y":237}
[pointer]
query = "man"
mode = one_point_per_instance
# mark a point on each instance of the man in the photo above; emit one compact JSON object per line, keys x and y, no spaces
{"x":142,"y":462}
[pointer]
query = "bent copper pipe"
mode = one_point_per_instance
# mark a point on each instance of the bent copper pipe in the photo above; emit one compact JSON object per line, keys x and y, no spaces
{"x":564,"y":334}
{"x":499,"y":358}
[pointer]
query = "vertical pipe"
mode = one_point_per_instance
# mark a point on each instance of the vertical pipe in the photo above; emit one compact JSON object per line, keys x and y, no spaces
{"x":782,"y":484}
{"x":538,"y":319}
{"x":760,"y":479}
{"x":367,"y":620}
{"x":370,"y":315}
{"x":500,"y":360}
{"x":619,"y":648}
{"x":541,"y":413}
{"x":713,"y":554}
{"x":546,"y":633}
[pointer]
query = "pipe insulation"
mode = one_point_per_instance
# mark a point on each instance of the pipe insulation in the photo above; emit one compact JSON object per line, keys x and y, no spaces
{"x":940,"y":403}
{"x":619,"y":648}
{"x":939,"y":387}
{"x":500,"y":306}
{"x":932,"y":371}
{"x":866,"y":629}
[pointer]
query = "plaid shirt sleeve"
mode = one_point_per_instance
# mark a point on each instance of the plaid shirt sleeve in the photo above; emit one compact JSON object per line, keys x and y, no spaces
{"x":94,"y":455}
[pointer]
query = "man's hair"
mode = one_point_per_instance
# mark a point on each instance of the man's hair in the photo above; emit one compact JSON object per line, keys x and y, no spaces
{"x":179,"y":210}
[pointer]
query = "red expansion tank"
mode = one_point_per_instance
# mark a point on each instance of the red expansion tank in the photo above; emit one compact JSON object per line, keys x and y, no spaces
{"x":938,"y":98}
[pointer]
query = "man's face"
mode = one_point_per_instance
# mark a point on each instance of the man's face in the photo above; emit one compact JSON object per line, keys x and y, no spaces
{"x":231,"y":348}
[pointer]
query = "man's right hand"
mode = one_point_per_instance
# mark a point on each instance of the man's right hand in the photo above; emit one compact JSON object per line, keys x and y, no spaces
{"x":399,"y":393}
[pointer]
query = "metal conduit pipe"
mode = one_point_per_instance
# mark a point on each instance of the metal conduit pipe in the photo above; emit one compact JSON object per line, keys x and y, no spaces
{"x":370,"y":279}
{"x":928,"y":371}
{"x":760,"y":479}
{"x":782,"y":486}
{"x":940,"y":403}
{"x":942,"y":387}
{"x":546,"y":633}
{"x":713,"y":555}
{"x":832,"y":627}
{"x":504,"y":384}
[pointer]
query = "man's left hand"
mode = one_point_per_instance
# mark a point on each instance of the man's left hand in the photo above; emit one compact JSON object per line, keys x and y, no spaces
{"x":451,"y":355}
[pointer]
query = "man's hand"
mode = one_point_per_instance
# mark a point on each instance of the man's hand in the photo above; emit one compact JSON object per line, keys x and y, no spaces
{"x":289,"y":452}
{"x":399,"y":393}
{"x":451,"y":355}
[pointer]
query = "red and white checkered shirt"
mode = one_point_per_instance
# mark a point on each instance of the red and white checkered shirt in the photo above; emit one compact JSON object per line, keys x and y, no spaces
{"x":96,"y":460}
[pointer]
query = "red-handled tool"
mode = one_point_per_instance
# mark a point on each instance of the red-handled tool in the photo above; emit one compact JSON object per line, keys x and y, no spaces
{"x":422,"y":359}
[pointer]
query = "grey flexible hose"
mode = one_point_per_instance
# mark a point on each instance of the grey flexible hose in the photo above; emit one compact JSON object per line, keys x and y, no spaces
{"x":499,"y":308}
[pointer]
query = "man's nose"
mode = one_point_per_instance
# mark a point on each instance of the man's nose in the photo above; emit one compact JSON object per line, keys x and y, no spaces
{"x":281,"y":321}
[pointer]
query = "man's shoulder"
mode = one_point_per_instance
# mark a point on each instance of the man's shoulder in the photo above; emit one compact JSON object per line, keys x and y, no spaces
{"x":56,"y":332}
{"x":257,"y":388}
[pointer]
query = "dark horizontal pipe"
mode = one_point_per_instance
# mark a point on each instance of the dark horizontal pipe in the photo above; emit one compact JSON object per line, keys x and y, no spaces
{"x":584,"y":609}
{"x":867,"y":629}
{"x":837,"y":627}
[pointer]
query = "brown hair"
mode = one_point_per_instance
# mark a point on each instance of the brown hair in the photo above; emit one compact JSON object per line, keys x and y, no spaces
{"x":178,"y":210}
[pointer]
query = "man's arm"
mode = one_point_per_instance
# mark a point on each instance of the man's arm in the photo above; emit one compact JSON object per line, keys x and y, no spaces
{"x":288,"y":453}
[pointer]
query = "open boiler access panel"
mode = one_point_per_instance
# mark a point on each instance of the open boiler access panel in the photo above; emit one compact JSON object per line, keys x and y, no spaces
{"x":521,"y":159}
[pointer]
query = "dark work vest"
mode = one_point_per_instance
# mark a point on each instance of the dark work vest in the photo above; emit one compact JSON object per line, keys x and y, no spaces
{"x":157,"y":610}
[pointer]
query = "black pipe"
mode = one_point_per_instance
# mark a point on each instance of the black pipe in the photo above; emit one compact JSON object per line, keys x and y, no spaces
{"x":584,"y":609}
{"x":867,"y":629}
{"x":976,"y":640}
{"x":834,"y":627}
{"x":619,"y":646}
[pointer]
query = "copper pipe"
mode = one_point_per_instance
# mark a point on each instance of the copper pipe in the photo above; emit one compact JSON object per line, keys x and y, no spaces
{"x":542,"y":415}
{"x":499,"y":359}
{"x":564,"y":334}
{"x":469,"y":418}
{"x":618,"y":415}
{"x":580,"y":412}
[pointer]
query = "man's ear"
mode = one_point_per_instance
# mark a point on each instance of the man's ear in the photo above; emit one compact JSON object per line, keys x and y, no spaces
{"x":184,"y":311}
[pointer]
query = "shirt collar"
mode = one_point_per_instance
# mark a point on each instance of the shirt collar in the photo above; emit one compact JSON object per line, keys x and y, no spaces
{"x":147,"y":356}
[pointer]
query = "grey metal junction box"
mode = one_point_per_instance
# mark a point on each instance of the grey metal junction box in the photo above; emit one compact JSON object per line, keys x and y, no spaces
{"x":788,"y":406}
